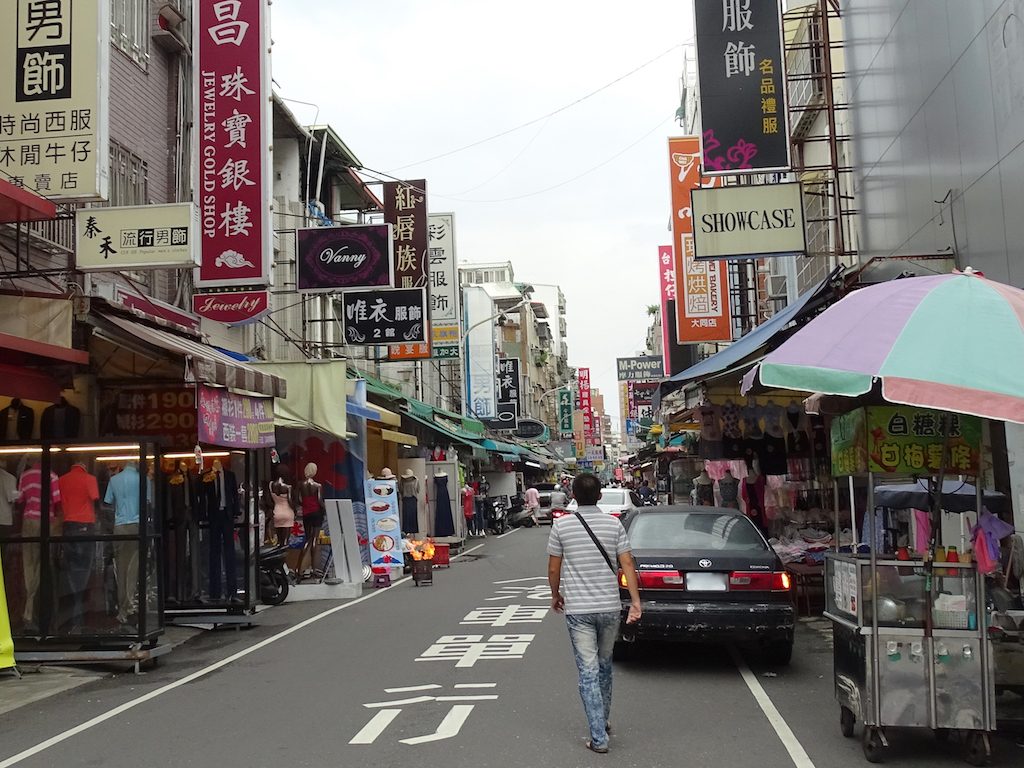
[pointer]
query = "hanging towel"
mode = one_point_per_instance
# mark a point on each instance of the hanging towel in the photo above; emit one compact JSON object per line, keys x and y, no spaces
{"x":981,"y":552}
{"x":923,"y":523}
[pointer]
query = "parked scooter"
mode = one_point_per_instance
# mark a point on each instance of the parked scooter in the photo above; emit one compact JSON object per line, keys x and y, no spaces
{"x":273,"y":575}
{"x":497,"y":518}
{"x":519,"y":516}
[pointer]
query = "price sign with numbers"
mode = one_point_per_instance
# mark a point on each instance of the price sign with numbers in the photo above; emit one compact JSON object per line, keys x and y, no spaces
{"x":168,"y":412}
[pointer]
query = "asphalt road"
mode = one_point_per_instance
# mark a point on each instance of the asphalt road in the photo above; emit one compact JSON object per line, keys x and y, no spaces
{"x":326,"y":693}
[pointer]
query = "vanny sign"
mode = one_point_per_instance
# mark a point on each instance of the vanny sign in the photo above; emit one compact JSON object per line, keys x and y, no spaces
{"x":339,"y":258}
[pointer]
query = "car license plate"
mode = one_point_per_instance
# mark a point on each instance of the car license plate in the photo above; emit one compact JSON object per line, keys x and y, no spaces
{"x":706,"y":582}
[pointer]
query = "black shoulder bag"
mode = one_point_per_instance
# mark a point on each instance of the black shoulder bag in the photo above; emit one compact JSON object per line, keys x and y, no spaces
{"x":600,"y":546}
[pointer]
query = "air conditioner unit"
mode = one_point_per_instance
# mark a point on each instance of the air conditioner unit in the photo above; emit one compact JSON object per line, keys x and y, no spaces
{"x":777,"y":287}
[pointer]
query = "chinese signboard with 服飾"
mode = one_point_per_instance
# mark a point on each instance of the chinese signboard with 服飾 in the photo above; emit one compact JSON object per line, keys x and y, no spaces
{"x":340,"y":258}
{"x":507,"y":388}
{"x":442,"y":266}
{"x":741,"y":72}
{"x":405,"y":209}
{"x":383,"y":316}
{"x":53,"y":97}
{"x":905,"y":440}
{"x":749,"y":222}
{"x":235,"y":421}
{"x":137,"y":237}
{"x":702,"y":288}
{"x":232,"y":173}
{"x":565,"y":412}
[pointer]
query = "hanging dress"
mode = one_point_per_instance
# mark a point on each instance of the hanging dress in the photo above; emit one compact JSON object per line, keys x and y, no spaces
{"x":409,"y":490}
{"x":443,"y":523}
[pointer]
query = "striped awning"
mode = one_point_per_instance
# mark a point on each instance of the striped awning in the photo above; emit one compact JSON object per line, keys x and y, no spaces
{"x":204,"y":363}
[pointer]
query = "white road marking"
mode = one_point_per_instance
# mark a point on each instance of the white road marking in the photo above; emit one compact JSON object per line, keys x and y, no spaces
{"x":476,"y":685}
{"x":376,"y":726}
{"x":454,"y":557}
{"x":411,"y":688}
{"x":517,"y":581}
{"x":398,"y":702}
{"x":449,"y":727}
{"x":128,"y":705}
{"x":481,"y":697}
{"x":775,"y":718}
{"x":509,"y":533}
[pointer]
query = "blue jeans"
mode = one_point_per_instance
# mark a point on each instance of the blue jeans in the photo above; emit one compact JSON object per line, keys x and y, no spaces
{"x":593,"y":638}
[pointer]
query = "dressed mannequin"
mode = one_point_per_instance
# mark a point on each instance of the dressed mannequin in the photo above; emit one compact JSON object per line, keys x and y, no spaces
{"x":184,"y":519}
{"x":123,"y":494}
{"x":682,"y":487}
{"x":443,"y":523}
{"x":311,"y":494}
{"x":482,"y":488}
{"x":79,"y":498}
{"x":704,"y":488}
{"x":728,"y":489}
{"x":409,"y":493}
{"x":469,"y":509}
{"x":283,"y":513}
{"x":753,"y":497}
{"x":732,"y":431}
{"x":17,"y":421}
{"x":222,"y":507}
{"x":60,"y":420}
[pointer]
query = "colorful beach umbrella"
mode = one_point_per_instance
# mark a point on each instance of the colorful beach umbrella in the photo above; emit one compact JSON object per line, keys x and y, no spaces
{"x":951,"y":342}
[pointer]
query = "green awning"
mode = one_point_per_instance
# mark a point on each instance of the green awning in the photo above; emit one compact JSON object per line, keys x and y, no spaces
{"x":449,"y":434}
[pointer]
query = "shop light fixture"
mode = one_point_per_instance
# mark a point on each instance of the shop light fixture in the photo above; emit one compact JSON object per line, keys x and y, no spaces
{"x":101,"y":448}
{"x":29,"y":449}
{"x":533,"y":464}
{"x":206,"y":455}
{"x":127,"y":457}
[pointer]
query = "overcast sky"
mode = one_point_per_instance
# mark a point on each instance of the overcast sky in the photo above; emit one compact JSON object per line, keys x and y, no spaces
{"x":405,"y":80}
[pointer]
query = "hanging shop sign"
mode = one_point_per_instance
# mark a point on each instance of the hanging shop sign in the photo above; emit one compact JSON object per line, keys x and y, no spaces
{"x":667,"y":278}
{"x":586,"y":403}
{"x":480,"y":369}
{"x":508,"y":387}
{"x":232,"y":172}
{"x":531,"y":429}
{"x":579,"y":438}
{"x":383,"y":524}
{"x":702,"y":288}
{"x":341,"y":258}
{"x":150,"y":412}
{"x":54,"y":137}
{"x":405,"y":208}
{"x":648,"y":368}
{"x":565,"y":412}
{"x":136,"y":237}
{"x":595,"y":453}
{"x":749,"y":222}
{"x":742,"y":86}
{"x":235,"y":421}
{"x":383,"y":315}
{"x":505,"y":419}
{"x":641,"y":400}
{"x":232,"y":307}
{"x":443,"y":273}
{"x":624,"y":408}
{"x":905,"y":440}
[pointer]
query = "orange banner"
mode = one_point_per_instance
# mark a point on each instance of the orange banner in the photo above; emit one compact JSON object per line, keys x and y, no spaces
{"x":702,"y":287}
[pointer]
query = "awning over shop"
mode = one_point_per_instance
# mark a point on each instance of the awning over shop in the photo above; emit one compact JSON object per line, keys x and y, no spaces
{"x":315,"y":395}
{"x":21,"y":351}
{"x":18,"y":204}
{"x":448,"y":431}
{"x":394,"y":436}
{"x":28,"y":384}
{"x":203,"y":362}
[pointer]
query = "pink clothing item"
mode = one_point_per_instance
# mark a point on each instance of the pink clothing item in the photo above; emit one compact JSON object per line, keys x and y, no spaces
{"x":981,"y":554}
{"x":284,"y":513}
{"x":30,"y":493}
{"x":923,"y":523}
{"x":532,"y":498}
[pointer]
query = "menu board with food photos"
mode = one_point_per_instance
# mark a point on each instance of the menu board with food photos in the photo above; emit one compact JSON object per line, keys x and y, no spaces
{"x":385,"y":527}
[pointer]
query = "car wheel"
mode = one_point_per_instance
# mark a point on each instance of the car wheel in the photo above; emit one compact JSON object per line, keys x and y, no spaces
{"x":778,"y":654}
{"x":622,"y":651}
{"x":872,"y":744}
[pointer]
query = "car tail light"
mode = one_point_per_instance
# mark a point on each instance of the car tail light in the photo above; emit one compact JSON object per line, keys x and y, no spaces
{"x":656,"y":580}
{"x":556,"y":513}
{"x":759,"y":581}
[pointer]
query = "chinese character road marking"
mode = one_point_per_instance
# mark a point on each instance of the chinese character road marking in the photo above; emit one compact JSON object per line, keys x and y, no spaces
{"x":498,"y":616}
{"x":450,"y":725}
{"x":469,"y":649}
{"x":535,"y":592}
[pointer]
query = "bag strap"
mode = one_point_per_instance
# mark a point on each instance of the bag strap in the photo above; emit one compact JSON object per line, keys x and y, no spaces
{"x":600,"y":546}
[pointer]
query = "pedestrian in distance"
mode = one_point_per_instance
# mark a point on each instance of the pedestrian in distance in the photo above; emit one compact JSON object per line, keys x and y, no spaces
{"x":532,"y":503}
{"x":582,"y":553}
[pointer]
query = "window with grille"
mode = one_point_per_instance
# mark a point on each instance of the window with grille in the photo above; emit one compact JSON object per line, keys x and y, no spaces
{"x":129,"y":182}
{"x":129,"y":28}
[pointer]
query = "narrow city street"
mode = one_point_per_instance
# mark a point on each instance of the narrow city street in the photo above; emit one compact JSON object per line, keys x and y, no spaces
{"x":372,"y":682}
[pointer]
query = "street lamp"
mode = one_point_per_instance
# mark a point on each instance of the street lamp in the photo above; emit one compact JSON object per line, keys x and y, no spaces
{"x":464,"y":346}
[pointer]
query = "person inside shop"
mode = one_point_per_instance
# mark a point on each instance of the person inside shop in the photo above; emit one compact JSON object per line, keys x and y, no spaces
{"x":283,"y":512}
{"x":30,"y":500}
{"x":222,"y":511}
{"x":80,"y":496}
{"x":123,"y":495}
{"x":311,"y":494}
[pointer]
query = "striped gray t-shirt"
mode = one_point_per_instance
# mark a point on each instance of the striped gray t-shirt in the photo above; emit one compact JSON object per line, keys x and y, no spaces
{"x":588,"y":584}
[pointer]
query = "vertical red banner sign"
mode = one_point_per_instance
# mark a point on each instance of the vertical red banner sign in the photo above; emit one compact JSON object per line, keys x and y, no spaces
{"x":232,"y":83}
{"x":702,"y":288}
{"x":405,"y":209}
{"x":586,"y":405}
{"x":667,"y":276}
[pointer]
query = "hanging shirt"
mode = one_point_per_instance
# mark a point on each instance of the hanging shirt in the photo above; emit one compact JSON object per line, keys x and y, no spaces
{"x":468,"y":497}
{"x":30,"y":492}
{"x":8,"y":495}
{"x":123,"y":493}
{"x":79,"y":492}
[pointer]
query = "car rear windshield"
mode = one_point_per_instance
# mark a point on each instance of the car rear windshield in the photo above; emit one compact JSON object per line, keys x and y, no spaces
{"x":613,"y":497}
{"x":688,"y":530}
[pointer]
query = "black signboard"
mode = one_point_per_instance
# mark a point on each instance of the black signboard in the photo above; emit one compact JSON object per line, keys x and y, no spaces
{"x":530,"y":429}
{"x":742,"y":86}
{"x":505,"y":420}
{"x":385,"y":316}
{"x":405,"y":207}
{"x":340,"y":258}
{"x":507,"y":388}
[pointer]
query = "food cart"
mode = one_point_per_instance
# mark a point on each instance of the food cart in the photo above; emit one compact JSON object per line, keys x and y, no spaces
{"x":910,"y":640}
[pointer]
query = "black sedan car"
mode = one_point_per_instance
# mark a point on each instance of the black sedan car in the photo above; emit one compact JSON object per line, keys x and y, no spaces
{"x":706,"y":575}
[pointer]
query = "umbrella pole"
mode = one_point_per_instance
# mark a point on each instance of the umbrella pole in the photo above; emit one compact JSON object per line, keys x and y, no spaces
{"x":853,"y":513}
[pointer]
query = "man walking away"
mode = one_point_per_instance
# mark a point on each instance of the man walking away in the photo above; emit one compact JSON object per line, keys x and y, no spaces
{"x":532,"y":503}
{"x":582,"y":552}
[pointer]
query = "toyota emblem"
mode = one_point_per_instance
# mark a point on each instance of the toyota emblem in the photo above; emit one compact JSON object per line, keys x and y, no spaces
{"x":705,"y":563}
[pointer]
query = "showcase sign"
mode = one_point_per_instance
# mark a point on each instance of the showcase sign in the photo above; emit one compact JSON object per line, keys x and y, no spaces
{"x":382,"y":316}
{"x":339,"y":258}
{"x":232,"y":307}
{"x":235,"y":421}
{"x":742,"y":86}
{"x":232,"y":170}
{"x":748,"y":222}
{"x":53,"y":97}
{"x":646,"y":368}
{"x":136,"y":237}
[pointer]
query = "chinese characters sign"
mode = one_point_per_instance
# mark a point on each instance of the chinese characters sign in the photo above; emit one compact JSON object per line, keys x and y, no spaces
{"x":443,"y":272}
{"x":507,"y":387}
{"x":137,"y":237}
{"x":639,"y":368}
{"x":586,"y":404}
{"x":235,"y":421}
{"x":702,"y":288}
{"x":405,"y":208}
{"x":53,"y":97}
{"x":905,"y":440}
{"x":667,"y":278}
{"x":565,"y":412}
{"x":382,"y":316}
{"x":336,"y":258}
{"x":742,"y":86}
{"x":233,"y":158}
{"x":167,"y":413}
{"x":480,"y":371}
